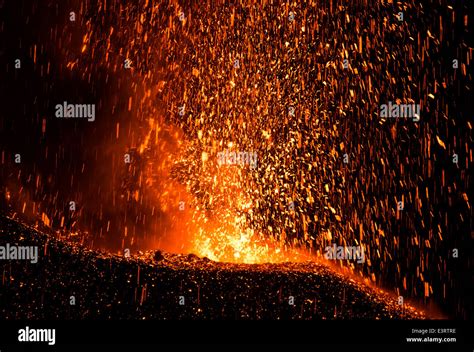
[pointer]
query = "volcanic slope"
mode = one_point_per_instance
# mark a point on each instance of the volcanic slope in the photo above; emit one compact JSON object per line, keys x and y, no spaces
{"x":156,"y":285}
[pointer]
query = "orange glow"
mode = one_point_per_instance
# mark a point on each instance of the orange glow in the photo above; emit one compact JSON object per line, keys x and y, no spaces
{"x":218,"y":230}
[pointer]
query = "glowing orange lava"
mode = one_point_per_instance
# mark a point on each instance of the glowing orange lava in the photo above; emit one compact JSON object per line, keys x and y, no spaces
{"x":209,"y":221}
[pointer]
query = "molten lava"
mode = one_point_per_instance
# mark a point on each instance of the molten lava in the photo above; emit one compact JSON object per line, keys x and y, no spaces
{"x":210,"y":221}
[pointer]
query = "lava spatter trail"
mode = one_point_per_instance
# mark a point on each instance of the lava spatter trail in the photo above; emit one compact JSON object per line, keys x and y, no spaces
{"x":259,"y":134}
{"x":151,"y":285}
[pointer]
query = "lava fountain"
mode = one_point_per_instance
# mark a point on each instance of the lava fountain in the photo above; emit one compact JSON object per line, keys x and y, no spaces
{"x":209,"y":210}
